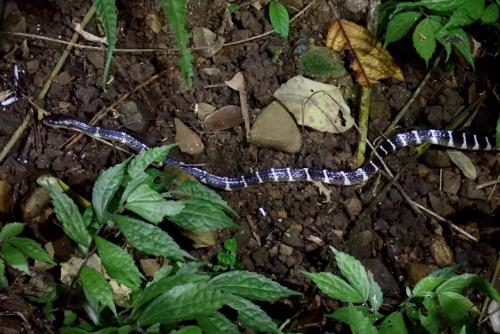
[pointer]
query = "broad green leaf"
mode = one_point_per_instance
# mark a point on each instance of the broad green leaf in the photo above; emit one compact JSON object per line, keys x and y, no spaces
{"x":88,"y":216}
{"x":354,"y":272}
{"x":252,"y":316}
{"x":97,"y":287}
{"x":490,"y":14}
{"x":164,"y":271}
{"x":440,"y":5}
{"x":148,"y":204}
{"x":183,"y":302}
{"x":142,"y":160}
{"x":460,"y":283}
{"x":251,"y":285}
{"x":31,"y":249}
{"x":118,"y":263}
{"x":199,"y":216}
{"x":424,"y":39}
{"x":468,"y":12}
{"x":141,"y":179}
{"x":67,"y":212}
{"x":105,"y":188}
{"x":464,"y":46}
{"x":149,"y":239}
{"x":14,"y":258}
{"x":456,"y":308}
{"x":320,"y":61}
{"x":11,"y":230}
{"x":375,"y":297}
{"x":335,"y":287}
{"x":432,"y":320}
{"x":187,"y":330}
{"x":357,"y":320}
{"x":446,"y":272}
{"x":393,"y":324}
{"x":106,"y":11}
{"x":427,"y":285}
{"x":344,"y":312}
{"x":279,"y":18}
{"x":217,"y":323}
{"x":400,"y":25}
{"x":69,"y":317}
{"x":176,"y":12}
{"x":3,"y":280}
{"x":195,"y":190}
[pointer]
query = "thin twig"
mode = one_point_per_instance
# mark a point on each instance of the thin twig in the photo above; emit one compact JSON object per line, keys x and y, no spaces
{"x":364,"y":115}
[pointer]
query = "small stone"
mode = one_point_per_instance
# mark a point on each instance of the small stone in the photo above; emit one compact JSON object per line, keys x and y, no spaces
{"x":189,"y":142}
{"x":153,"y":22}
{"x":285,"y":249}
{"x":132,"y":118}
{"x":96,"y":59}
{"x":139,"y":72}
{"x":276,"y":128}
{"x":35,"y":203}
{"x":223,"y":118}
{"x":63,"y":78}
{"x":417,"y":271}
{"x":353,"y":206}
{"x":86,"y":94}
{"x":441,"y":252}
{"x":451,"y":182}
{"x":210,"y":71}
{"x":203,"y":109}
{"x":149,"y":266}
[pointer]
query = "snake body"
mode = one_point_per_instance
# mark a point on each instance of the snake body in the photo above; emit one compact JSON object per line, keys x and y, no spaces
{"x":459,"y":140}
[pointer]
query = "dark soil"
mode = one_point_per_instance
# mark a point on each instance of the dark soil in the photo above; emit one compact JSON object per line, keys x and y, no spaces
{"x":299,"y":223}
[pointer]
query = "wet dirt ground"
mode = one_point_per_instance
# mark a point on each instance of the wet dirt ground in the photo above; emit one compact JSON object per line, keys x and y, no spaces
{"x":286,"y":228}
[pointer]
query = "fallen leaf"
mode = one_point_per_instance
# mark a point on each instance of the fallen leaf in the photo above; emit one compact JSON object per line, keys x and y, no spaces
{"x":153,"y":22}
{"x":203,"y":109}
{"x":223,"y":118}
{"x":207,"y":41}
{"x":149,"y":266}
{"x":315,"y":104}
{"x":371,"y":61}
{"x":238,"y":83}
{"x":188,"y":140}
{"x":5,"y":196}
{"x":201,"y":239}
{"x":121,"y":293}
{"x":464,"y":163}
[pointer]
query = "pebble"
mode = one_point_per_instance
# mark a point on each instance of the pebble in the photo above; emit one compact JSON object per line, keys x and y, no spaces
{"x":276,"y":128}
{"x":417,"y":271}
{"x":203,"y":109}
{"x":131,"y":117}
{"x":383,"y":277}
{"x":441,"y":252}
{"x":96,"y":59}
{"x":353,"y":206}
{"x":35,"y":203}
{"x":153,"y":22}
{"x":451,"y":182}
{"x":86,"y":94}
{"x":189,"y":142}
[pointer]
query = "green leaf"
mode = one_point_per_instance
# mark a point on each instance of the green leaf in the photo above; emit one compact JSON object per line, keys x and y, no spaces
{"x":14,"y":258}
{"x":464,"y":46}
{"x":468,"y":12}
{"x":440,"y":5}
{"x":3,"y":280}
{"x":188,"y":330}
{"x":424,"y":39}
{"x":97,"y":287}
{"x":251,"y":285}
{"x":432,"y":320}
{"x":183,"y":302}
{"x":11,"y":230}
{"x":199,"y":216}
{"x":456,"y":308}
{"x":118,"y":263}
{"x":251,"y":315}
{"x":354,"y":272}
{"x":105,"y":188}
{"x":457,"y":283}
{"x":400,"y":25}
{"x":148,"y":204}
{"x":67,"y":212}
{"x":142,"y":160}
{"x":356,"y":319}
{"x":69,"y":317}
{"x":196,"y":191}
{"x":176,"y":12}
{"x":427,"y":285}
{"x":375,"y":297}
{"x":217,"y":323}
{"x":490,"y":14}
{"x":279,"y":18}
{"x":393,"y":324}
{"x":31,"y":249}
{"x":87,"y":216}
{"x":335,"y":287}
{"x":323,"y":61}
{"x":106,"y":11}
{"x":149,"y":239}
{"x":343,"y":313}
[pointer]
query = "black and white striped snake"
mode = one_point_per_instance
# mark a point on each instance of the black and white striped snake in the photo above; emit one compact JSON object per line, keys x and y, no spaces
{"x":359,"y":175}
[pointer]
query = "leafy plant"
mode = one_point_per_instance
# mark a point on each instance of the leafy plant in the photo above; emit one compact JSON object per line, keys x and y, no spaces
{"x":226,"y":257}
{"x":106,"y":11}
{"x":15,"y":250}
{"x":435,"y":303}
{"x":436,"y":22}
{"x":279,"y":18}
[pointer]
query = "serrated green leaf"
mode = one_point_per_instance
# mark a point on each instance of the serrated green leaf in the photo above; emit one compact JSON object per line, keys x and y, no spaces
{"x":118,"y":263}
{"x":393,"y":324}
{"x":400,"y":25}
{"x":3,"y":280}
{"x":11,"y":230}
{"x":427,"y":285}
{"x":279,"y":18}
{"x":445,"y":273}
{"x":251,"y":285}
{"x":217,"y":323}
{"x":149,"y":239}
{"x":176,"y":12}
{"x":440,"y":5}
{"x":343,"y":313}
{"x":187,"y":330}
{"x":251,"y":315}
{"x":199,"y":216}
{"x":424,"y":38}
{"x":14,"y":258}
{"x":432,"y":320}
{"x":142,"y":160}
{"x":88,"y":216}
{"x":335,"y":287}
{"x":31,"y":248}
{"x":457,"y":284}
{"x":196,"y":191}
{"x":323,"y":61}
{"x":490,"y":14}
{"x":148,"y":204}
{"x":354,"y":272}
{"x":67,"y":212}
{"x":356,"y":319}
{"x":133,"y":184}
{"x":97,"y":287}
{"x":105,"y":188}
{"x":183,"y":302}
{"x":375,"y":297}
{"x":106,"y":11}
{"x":456,"y":308}
{"x":468,"y":12}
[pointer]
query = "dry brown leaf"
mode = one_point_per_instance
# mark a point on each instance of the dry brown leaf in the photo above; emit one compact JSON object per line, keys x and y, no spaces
{"x":371,"y":61}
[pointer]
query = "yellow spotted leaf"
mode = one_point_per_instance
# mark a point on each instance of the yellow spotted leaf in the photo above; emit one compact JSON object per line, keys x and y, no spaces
{"x":371,"y":62}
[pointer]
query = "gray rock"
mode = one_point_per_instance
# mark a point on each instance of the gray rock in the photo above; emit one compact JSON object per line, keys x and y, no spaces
{"x":85,"y":94}
{"x":132,"y":118}
{"x":451,"y":182}
{"x":276,"y":128}
{"x":189,"y":142}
